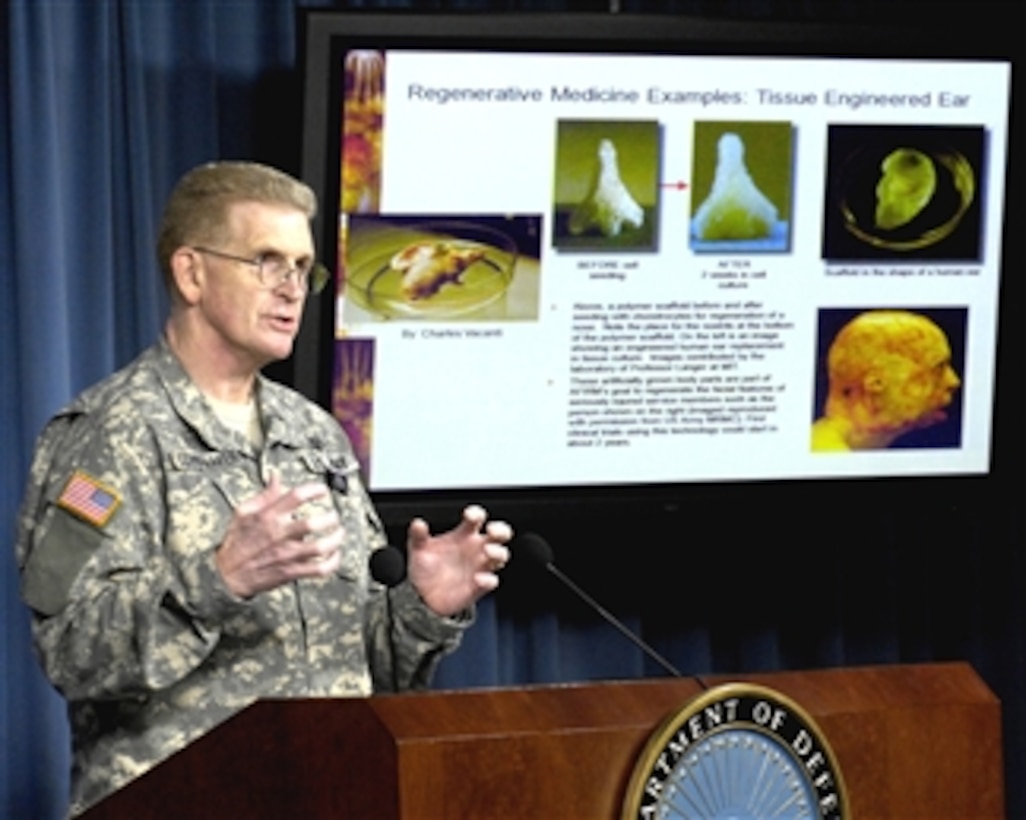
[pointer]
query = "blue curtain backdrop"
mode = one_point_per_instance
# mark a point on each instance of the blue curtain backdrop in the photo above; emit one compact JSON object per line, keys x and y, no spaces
{"x":107,"y":102}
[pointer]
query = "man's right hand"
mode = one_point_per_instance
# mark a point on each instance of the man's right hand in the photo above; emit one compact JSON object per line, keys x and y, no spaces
{"x":272,"y":540}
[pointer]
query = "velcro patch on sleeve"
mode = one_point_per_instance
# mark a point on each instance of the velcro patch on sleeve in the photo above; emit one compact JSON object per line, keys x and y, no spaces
{"x":64,"y":547}
{"x":89,"y":498}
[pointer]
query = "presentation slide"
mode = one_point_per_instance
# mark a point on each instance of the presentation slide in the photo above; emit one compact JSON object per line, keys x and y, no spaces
{"x":564,"y":269}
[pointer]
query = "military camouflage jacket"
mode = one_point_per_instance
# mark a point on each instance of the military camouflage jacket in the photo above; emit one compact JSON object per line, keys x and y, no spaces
{"x":130,"y":493}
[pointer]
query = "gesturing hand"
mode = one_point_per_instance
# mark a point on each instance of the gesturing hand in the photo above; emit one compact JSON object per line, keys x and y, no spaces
{"x":274,"y":538}
{"x":453,"y":570}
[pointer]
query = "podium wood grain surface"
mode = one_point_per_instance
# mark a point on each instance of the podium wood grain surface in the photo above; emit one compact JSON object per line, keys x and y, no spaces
{"x":911,"y":741}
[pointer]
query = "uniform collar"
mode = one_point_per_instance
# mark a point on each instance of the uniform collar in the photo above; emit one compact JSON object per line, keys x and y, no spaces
{"x":190,"y":403}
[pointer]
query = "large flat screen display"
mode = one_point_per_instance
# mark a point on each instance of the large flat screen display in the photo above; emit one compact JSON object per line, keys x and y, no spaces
{"x":618,"y":255}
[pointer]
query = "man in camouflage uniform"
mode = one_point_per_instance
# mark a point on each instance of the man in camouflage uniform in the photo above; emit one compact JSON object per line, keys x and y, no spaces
{"x":195,"y":536}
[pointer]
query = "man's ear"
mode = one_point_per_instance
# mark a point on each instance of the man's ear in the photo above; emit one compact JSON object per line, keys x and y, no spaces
{"x":188,"y":273}
{"x":873,"y":383}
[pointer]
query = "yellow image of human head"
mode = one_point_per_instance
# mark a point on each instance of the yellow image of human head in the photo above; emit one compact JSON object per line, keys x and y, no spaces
{"x":889,"y":373}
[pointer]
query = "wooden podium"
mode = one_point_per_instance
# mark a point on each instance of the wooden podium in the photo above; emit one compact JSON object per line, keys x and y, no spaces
{"x":911,"y":741}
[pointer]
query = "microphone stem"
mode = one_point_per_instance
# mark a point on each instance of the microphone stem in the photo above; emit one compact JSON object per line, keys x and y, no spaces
{"x":648,"y":650}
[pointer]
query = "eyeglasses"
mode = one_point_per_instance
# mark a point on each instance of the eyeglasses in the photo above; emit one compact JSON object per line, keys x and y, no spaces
{"x":274,"y":270}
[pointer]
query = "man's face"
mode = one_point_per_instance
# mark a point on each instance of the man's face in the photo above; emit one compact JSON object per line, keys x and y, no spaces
{"x":256,"y":323}
{"x":916,"y":379}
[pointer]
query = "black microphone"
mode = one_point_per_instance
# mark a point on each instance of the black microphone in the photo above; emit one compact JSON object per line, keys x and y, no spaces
{"x":536,"y":550}
{"x":388,"y":565}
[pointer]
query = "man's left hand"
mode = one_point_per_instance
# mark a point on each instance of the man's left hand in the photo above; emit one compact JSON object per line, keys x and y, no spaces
{"x":453,"y":570}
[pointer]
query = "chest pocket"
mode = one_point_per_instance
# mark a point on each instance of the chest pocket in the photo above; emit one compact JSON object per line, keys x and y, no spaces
{"x":203,"y":490}
{"x":359,"y":523}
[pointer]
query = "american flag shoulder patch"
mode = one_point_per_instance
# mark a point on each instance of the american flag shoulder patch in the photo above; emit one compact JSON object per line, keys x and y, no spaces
{"x":89,"y":498}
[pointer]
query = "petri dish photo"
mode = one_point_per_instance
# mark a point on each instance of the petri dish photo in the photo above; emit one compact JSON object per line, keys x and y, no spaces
{"x":428,"y":270}
{"x":905,"y":197}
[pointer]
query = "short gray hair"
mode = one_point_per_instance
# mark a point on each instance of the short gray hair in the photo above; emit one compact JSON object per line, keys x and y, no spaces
{"x":198,"y":206}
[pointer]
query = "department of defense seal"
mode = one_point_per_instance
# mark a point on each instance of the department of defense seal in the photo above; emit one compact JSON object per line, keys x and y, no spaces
{"x":737,"y":752}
